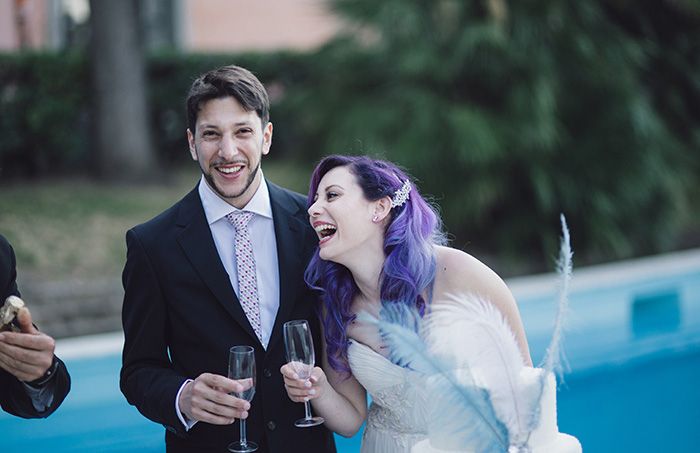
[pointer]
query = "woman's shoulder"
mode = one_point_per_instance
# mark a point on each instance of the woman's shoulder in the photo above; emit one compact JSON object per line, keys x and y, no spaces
{"x":460,"y":272}
{"x":454,"y":261}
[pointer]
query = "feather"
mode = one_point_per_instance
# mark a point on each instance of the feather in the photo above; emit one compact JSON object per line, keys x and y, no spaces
{"x":554,"y":356}
{"x":474,"y":333}
{"x":463,"y":411}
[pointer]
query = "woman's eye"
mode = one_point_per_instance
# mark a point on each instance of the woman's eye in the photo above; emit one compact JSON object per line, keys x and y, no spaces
{"x":331,"y":195}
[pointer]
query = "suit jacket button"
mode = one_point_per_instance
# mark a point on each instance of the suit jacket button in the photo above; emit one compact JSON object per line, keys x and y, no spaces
{"x":267,"y":373}
{"x":271,"y":425}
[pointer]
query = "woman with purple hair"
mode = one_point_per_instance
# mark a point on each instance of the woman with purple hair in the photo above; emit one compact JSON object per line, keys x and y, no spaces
{"x":380,"y":244}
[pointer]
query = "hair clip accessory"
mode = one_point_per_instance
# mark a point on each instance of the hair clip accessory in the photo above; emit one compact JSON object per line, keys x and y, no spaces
{"x":401,"y":195}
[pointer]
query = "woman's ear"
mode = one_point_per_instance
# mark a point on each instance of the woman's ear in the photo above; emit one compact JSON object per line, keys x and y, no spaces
{"x":382,"y":208}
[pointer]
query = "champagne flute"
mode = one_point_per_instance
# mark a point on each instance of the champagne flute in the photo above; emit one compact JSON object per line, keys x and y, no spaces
{"x":300,"y":354}
{"x":241,"y":367}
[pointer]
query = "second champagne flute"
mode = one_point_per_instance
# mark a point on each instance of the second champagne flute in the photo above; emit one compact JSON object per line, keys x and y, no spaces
{"x":300,"y":354}
{"x":241,"y":367}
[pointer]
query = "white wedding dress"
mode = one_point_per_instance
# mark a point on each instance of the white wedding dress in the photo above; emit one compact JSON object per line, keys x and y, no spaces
{"x":396,"y":418}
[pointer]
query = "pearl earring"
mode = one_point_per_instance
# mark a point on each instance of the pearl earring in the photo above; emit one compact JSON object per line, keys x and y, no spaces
{"x":375,"y":218}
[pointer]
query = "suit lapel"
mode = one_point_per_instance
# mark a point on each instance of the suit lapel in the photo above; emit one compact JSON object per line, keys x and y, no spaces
{"x":198,"y":244}
{"x":290,"y":231}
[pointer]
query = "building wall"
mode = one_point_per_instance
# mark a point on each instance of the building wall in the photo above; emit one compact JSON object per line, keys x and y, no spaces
{"x":225,"y":25}
{"x":201,"y":25}
{"x":23,"y":24}
{"x":7,"y":24}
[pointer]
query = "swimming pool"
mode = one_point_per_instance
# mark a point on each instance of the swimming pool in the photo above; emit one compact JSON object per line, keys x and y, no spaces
{"x":95,"y":417}
{"x":633,"y":345}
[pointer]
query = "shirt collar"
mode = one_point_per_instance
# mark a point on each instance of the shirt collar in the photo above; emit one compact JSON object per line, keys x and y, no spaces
{"x":215,"y":208}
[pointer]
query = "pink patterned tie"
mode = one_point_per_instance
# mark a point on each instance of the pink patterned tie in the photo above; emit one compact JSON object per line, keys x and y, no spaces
{"x":245,"y":263}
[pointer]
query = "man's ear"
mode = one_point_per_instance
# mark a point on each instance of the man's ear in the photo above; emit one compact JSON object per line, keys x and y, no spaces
{"x":382,"y":208}
{"x":193,"y":148}
{"x":267,"y":139}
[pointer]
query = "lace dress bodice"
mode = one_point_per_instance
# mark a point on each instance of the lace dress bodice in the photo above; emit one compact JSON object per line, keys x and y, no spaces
{"x":396,"y":417}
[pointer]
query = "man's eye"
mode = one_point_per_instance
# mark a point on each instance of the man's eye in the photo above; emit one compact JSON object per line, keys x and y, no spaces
{"x":209,"y":134}
{"x":245,"y":131}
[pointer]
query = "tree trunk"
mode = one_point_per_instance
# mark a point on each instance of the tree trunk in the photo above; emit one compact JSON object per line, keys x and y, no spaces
{"x":122,"y":140}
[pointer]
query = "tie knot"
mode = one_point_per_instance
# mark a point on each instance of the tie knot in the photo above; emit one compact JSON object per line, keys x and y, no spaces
{"x":239,"y":219}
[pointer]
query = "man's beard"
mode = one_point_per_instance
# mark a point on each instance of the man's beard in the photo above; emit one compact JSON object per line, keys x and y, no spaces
{"x":210,"y":179}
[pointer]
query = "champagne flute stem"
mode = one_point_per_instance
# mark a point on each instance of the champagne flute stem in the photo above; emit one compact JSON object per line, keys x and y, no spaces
{"x":244,"y":441}
{"x":307,"y":410}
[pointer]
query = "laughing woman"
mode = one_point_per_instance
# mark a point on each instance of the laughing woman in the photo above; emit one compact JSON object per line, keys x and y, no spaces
{"x":380,"y":243}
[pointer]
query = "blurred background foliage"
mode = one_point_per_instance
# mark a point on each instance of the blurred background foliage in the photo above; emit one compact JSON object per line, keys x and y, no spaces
{"x":506,"y":112}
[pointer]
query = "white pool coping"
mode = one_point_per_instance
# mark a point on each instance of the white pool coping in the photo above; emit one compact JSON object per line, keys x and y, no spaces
{"x":599,"y":276}
{"x":88,"y":346}
{"x":609,"y":274}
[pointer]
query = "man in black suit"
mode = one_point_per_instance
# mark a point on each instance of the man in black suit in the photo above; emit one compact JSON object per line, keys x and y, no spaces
{"x":33,"y":381}
{"x":183,"y":309}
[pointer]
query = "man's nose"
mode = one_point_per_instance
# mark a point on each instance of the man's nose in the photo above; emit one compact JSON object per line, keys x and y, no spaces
{"x":227,"y":146}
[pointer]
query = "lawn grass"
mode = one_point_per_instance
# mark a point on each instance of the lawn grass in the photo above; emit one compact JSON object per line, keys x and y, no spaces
{"x":75,"y":228}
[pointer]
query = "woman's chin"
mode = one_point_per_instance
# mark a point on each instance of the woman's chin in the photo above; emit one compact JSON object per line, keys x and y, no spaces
{"x":327,"y":255}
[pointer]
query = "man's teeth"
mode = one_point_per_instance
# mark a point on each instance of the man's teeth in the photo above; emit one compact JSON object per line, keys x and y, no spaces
{"x":325,"y":229}
{"x":230,"y":169}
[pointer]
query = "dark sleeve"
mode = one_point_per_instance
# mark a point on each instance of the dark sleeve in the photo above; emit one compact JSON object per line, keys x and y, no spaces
{"x":13,"y":397}
{"x":8,"y":271}
{"x":148,"y":380}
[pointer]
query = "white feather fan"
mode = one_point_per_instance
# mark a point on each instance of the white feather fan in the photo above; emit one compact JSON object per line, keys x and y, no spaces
{"x":466,"y":347}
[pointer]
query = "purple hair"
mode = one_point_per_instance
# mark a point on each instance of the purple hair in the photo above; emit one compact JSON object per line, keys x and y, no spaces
{"x":409,"y":269}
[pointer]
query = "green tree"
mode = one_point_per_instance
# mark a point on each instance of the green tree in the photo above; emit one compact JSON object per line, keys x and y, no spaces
{"x":508,"y":113}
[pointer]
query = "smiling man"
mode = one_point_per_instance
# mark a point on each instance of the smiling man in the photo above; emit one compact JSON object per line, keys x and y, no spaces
{"x":229,"y":142}
{"x":222,"y":267}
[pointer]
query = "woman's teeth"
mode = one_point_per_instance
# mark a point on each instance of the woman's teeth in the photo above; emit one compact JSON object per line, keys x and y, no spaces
{"x":325,"y":230}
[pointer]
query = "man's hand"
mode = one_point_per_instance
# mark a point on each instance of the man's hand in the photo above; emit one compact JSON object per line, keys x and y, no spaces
{"x":208,"y":399}
{"x":27,"y":354}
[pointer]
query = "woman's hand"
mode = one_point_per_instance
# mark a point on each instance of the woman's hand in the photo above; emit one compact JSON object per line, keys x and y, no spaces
{"x":301,"y":390}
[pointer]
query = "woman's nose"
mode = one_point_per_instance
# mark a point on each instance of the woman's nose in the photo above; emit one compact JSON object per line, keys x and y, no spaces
{"x":313,"y":209}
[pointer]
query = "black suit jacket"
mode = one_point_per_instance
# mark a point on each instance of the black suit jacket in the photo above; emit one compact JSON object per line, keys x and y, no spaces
{"x":13,"y":395}
{"x":181,"y":316}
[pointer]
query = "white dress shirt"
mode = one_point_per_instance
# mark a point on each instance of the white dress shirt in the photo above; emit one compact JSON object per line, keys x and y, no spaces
{"x":262,"y":236}
{"x":41,"y":397}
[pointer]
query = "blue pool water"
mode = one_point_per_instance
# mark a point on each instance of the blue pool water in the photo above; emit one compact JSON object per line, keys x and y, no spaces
{"x":651,"y":406}
{"x":633,"y":348}
{"x":95,"y":417}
